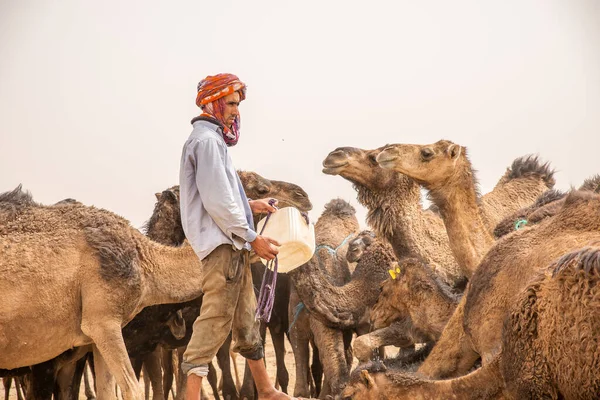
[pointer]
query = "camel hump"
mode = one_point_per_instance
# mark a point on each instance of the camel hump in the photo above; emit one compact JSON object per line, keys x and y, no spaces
{"x":591,"y":184}
{"x":339,"y":207}
{"x":531,"y":166}
{"x":586,"y":259}
{"x":117,"y":253}
{"x":17,"y":197}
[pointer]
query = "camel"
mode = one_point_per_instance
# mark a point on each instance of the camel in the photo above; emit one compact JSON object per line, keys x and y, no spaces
{"x":124,"y":272}
{"x":550,"y":339}
{"x":546,"y":205}
{"x":444,"y":169}
{"x":376,"y":381}
{"x":347,"y":304}
{"x":549,"y":345}
{"x":334,"y":228}
{"x":474,"y":330}
{"x":394,"y":209}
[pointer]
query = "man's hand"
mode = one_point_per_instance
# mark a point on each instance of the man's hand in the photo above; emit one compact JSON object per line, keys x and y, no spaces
{"x":262,"y":206}
{"x":264,"y":247}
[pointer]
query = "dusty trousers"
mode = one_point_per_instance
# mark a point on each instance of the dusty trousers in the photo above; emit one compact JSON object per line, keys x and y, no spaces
{"x":228,"y":304}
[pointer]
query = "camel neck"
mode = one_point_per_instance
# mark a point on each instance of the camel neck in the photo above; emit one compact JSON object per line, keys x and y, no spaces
{"x":469,"y":237}
{"x":171,"y":274}
{"x":396,"y":214}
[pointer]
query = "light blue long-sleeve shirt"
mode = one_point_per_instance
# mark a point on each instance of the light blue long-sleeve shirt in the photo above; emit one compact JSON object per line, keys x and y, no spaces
{"x":214,"y":207}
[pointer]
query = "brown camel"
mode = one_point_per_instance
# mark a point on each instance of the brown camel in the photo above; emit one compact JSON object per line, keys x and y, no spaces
{"x":474,"y":330}
{"x":345,"y":306}
{"x":412,"y":308}
{"x":394,"y":209}
{"x":547,"y":205}
{"x":550,"y":340}
{"x":444,"y":169}
{"x":418,"y":297}
{"x":376,"y":381}
{"x":549,"y":345}
{"x":334,"y":228}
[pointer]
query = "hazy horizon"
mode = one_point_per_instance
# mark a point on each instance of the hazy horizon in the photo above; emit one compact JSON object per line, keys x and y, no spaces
{"x":97,"y":97}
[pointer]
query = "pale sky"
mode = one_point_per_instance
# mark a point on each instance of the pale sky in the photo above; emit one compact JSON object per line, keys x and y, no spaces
{"x":96,"y":96}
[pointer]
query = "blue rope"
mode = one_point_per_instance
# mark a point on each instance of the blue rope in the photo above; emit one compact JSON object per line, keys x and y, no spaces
{"x":297,"y":312}
{"x":331,"y":250}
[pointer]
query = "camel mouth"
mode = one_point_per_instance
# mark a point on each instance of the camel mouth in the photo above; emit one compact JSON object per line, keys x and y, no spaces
{"x":387,"y":162}
{"x":333,"y":169}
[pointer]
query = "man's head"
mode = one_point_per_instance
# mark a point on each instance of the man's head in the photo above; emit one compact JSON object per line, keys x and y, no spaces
{"x":219,"y":97}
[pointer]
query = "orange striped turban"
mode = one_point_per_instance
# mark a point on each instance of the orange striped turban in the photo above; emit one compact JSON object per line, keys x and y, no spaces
{"x":214,"y":87}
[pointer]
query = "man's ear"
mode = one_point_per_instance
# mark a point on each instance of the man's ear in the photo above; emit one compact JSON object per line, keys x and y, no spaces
{"x":454,"y":151}
{"x":367,"y":379}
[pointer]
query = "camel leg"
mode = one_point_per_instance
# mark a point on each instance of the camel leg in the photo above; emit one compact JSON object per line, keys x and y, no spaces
{"x":316,"y":370}
{"x":282,"y":374}
{"x":152,"y":363}
{"x":167,"y":366}
{"x":7,"y":381}
{"x":146,"y":382}
{"x":19,"y":389}
{"x":212,"y":380}
{"x":333,"y":357}
{"x":234,"y":356}
{"x":68,"y":380}
{"x":88,"y":378}
{"x":299,"y":338}
{"x":109,"y":345}
{"x":105,"y":381}
{"x":453,"y":354}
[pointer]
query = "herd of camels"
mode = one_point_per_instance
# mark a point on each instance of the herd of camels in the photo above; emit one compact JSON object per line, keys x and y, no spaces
{"x":493,"y":296}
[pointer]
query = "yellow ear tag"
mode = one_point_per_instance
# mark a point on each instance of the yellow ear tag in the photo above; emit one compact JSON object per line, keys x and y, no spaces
{"x":392,"y":273}
{"x":398,"y":270}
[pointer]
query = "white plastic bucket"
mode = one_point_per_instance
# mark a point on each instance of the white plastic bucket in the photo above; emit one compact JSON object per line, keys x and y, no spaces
{"x":297,"y":238}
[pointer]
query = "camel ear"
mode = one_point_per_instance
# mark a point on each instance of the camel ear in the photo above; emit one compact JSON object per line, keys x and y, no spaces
{"x":454,"y":151}
{"x":367,"y":379}
{"x":157,"y":195}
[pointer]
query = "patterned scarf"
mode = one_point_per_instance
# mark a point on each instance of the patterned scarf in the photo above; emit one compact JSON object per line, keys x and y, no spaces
{"x":210,"y":98}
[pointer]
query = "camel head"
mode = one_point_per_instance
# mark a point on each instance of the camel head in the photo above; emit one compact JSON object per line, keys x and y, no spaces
{"x":359,"y":167}
{"x":165,"y":225}
{"x":358,"y":245}
{"x":411,"y":284}
{"x":365,"y":381}
{"x":288,"y":194}
{"x":430,"y":165}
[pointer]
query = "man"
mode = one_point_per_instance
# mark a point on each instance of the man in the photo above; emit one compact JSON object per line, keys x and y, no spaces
{"x":217,"y":220}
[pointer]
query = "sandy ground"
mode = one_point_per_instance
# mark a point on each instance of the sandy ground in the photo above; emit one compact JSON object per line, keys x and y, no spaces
{"x":271,"y":369}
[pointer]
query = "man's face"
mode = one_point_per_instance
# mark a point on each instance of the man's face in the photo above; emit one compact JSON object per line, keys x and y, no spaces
{"x":232,"y":101}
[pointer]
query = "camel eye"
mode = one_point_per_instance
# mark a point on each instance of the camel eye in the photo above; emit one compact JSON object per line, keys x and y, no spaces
{"x":262,"y":190}
{"x":426,"y":154}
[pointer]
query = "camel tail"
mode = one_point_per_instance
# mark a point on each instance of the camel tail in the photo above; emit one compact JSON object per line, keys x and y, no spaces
{"x":531,"y":166}
{"x":591,"y":184}
{"x":586,"y":259}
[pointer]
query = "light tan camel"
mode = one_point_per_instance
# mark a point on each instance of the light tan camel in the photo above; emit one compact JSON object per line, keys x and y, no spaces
{"x":97,"y":272}
{"x":444,"y":169}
